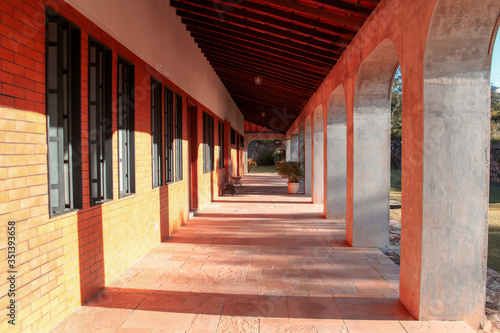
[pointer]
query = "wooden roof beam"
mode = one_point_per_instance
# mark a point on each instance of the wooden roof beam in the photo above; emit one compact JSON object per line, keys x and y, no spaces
{"x":266,"y":39}
{"x":268,"y":82}
{"x":226,"y":41}
{"x":257,"y":29}
{"x":286,"y":77}
{"x":246,"y":16}
{"x":239,"y":51}
{"x":333,"y":22}
{"x":346,"y":7}
{"x":261,"y":62}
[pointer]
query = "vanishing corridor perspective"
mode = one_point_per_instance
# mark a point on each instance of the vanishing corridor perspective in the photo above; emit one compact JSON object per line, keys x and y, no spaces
{"x":261,"y":261}
{"x":123,"y":123}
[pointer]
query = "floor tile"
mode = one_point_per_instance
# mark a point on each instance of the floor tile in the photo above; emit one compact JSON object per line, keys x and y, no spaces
{"x":259,"y":261}
{"x":228,"y":324}
{"x":160,"y":320}
{"x":374,"y":326}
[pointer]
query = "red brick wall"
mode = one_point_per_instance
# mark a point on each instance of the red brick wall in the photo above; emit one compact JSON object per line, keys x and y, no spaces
{"x":63,"y":261}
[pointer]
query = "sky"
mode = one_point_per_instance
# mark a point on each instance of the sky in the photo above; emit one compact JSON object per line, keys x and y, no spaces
{"x":495,"y":63}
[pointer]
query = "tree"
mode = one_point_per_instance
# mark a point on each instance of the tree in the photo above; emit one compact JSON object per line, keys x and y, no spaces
{"x":397,"y":105}
{"x":495,"y":114}
{"x":495,"y":99}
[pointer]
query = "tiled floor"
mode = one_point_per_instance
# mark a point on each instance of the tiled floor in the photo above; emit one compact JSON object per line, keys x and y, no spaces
{"x":261,"y":261}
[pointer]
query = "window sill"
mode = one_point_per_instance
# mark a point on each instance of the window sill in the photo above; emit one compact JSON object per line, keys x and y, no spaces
{"x":127,"y":195}
{"x":66,"y":211}
{"x":98,"y":203}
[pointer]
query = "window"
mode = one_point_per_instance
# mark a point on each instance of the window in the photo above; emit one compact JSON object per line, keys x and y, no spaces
{"x":233,"y":137}
{"x":208,"y":142}
{"x":126,"y":144}
{"x":63,"y":114}
{"x":156,"y":132}
{"x":169,"y":136}
{"x":178,"y":138}
{"x":100,"y":123}
{"x":221,"y":145}
{"x":242,"y":143}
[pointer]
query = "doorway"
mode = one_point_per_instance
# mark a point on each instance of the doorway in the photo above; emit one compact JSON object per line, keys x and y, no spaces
{"x":238,"y":156}
{"x":192,"y":130}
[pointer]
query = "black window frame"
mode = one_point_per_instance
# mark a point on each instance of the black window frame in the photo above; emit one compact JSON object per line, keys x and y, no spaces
{"x":63,"y":103}
{"x":179,"y":173}
{"x":222,"y":145}
{"x":126,"y":126}
{"x":100,"y":118}
{"x":233,"y":136}
{"x":169,"y":135}
{"x":208,"y":143}
{"x":156,"y":133}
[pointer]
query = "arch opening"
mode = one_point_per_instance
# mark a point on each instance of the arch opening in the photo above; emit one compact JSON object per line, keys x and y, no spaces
{"x":371,"y":149}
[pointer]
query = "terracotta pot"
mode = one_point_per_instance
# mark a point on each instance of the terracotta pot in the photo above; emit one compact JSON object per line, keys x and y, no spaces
{"x":293,"y":188}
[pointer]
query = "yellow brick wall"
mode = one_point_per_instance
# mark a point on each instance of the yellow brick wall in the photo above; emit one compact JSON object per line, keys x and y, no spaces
{"x":64,"y":260}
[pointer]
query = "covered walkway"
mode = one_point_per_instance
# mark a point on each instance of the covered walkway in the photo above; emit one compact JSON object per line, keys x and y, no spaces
{"x":261,"y":261}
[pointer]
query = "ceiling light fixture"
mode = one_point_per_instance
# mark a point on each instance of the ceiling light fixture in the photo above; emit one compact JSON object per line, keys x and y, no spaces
{"x":263,"y":114}
{"x":258,"y":80}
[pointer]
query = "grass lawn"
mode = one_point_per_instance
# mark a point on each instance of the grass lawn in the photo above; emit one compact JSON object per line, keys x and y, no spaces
{"x":494,"y":228}
{"x":493,"y":220}
{"x":264,"y":169}
{"x":396,"y":193}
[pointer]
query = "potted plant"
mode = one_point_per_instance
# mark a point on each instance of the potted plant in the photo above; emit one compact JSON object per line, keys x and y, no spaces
{"x":294,"y":172}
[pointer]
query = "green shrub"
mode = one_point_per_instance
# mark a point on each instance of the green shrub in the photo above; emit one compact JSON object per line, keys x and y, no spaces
{"x":278,"y":155}
{"x":251,"y":164}
{"x":265,"y":158}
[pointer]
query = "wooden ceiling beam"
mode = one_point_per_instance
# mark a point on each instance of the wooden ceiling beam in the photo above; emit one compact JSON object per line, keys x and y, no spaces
{"x":270,"y":41}
{"x":236,"y":95}
{"x":250,"y":74}
{"x":260,"y":62}
{"x":286,"y":77}
{"x":349,"y":10}
{"x":271,"y":95}
{"x":285,"y":13}
{"x":292,"y":44}
{"x":344,"y":6}
{"x":257,"y":29}
{"x":227,"y":41}
{"x":268,"y":83}
{"x":274,"y":93}
{"x":237,"y":53}
{"x":292,"y":109}
{"x":273,"y":119}
{"x":292,"y":61}
{"x":242,"y":14}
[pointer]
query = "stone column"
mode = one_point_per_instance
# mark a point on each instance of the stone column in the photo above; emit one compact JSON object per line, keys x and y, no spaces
{"x":371,"y":148}
{"x":336,"y":156}
{"x":319,"y":155}
{"x":288,"y":149}
{"x":294,"y":154}
{"x":308,"y":157}
{"x":301,"y":153}
{"x":446,"y":166}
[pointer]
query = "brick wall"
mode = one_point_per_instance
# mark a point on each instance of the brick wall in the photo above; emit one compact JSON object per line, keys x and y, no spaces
{"x":209,"y":184}
{"x":65,"y":260}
